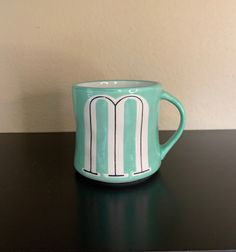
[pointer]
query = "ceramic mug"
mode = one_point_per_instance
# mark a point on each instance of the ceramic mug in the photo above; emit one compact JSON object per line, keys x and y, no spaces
{"x":117,"y":138}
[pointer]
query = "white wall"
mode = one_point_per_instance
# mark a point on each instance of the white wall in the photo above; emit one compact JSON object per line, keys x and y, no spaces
{"x":45,"y":46}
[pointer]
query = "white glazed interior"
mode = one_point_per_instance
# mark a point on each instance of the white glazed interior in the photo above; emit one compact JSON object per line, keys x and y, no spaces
{"x":116,"y":84}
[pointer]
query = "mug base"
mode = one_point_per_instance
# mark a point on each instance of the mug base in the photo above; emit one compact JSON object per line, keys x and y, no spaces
{"x":121,"y":184}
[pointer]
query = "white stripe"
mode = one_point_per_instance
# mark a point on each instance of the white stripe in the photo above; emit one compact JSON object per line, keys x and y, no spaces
{"x":120,"y":138}
{"x":94,"y":135}
{"x":145,"y":135}
{"x":86,"y":138}
{"x":110,"y":141}
{"x":138,"y":135}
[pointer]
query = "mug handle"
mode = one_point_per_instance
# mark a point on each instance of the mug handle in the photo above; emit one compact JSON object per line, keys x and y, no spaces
{"x":174,"y":138}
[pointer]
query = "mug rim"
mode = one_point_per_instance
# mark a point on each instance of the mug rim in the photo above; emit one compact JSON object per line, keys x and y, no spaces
{"x":140,"y":84}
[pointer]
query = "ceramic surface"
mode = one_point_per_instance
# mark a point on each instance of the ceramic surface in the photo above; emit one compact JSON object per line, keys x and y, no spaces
{"x":117,"y":129}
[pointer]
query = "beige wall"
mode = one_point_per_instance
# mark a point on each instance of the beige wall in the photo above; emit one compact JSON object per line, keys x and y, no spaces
{"x":188,"y":45}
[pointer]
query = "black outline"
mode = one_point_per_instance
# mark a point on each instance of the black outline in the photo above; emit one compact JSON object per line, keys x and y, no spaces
{"x":95,"y":173}
{"x":115,"y":106}
{"x":136,"y":173}
{"x":116,"y":175}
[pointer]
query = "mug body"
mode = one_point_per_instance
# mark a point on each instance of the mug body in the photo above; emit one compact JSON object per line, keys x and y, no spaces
{"x":117,"y":130}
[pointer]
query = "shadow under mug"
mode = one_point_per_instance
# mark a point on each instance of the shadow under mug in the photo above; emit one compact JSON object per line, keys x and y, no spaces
{"x":117,"y":139}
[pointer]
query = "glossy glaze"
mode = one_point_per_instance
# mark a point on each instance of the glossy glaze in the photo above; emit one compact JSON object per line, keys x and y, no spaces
{"x":117,"y":137}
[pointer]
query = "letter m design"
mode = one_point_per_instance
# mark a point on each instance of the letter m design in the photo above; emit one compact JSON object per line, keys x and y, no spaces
{"x":115,"y":135}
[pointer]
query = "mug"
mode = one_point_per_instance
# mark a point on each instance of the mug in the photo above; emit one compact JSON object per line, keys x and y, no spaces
{"x":117,"y":139}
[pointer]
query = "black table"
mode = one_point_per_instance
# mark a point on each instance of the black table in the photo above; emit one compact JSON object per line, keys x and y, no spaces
{"x":190,"y":204}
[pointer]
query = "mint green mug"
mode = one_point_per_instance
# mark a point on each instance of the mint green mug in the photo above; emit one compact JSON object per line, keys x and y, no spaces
{"x":117,"y":138}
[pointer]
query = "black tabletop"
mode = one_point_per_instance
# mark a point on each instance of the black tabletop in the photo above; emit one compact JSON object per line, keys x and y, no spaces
{"x":189,"y":204}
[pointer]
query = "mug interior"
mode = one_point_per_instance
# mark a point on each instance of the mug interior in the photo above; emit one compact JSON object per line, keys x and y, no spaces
{"x":117,"y":84}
